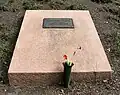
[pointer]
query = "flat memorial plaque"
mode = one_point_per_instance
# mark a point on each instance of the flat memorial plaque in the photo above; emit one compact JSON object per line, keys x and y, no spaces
{"x":38,"y":54}
{"x":58,"y":23}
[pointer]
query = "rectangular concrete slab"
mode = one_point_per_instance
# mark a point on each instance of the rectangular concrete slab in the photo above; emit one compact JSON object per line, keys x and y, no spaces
{"x":38,"y":54}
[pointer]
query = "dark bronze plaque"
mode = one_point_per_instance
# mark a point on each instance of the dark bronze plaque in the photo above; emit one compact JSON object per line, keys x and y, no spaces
{"x":58,"y":23}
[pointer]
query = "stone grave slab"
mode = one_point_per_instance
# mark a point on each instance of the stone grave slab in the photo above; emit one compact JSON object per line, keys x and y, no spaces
{"x":38,"y":54}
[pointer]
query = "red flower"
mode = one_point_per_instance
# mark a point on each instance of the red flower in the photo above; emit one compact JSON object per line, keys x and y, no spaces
{"x":65,"y":57}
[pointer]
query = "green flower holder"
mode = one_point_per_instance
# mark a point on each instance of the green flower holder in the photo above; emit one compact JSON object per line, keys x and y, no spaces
{"x":67,"y":73}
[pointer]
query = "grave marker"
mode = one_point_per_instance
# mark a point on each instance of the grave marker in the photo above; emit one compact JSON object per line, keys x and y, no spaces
{"x":38,"y":54}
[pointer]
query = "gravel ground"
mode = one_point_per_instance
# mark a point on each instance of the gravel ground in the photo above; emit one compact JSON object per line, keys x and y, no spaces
{"x":106,"y":16}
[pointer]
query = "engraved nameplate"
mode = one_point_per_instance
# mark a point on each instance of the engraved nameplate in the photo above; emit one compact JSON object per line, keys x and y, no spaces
{"x":58,"y":23}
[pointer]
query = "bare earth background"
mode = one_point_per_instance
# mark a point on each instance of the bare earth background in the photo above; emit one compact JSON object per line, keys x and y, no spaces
{"x":106,"y":16}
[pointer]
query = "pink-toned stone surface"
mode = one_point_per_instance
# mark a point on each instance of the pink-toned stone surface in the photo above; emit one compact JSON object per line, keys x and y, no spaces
{"x":38,"y":55}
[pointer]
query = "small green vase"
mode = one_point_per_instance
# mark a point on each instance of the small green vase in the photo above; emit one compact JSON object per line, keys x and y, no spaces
{"x":67,"y":74}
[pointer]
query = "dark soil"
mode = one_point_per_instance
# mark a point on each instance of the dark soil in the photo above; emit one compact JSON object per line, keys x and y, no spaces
{"x":106,"y":16}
